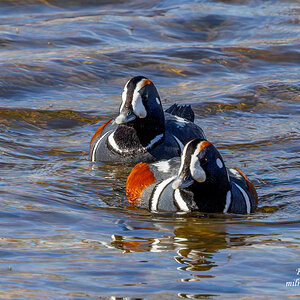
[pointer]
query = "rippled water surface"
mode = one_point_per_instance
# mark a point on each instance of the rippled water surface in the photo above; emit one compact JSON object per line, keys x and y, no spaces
{"x":66,"y":229}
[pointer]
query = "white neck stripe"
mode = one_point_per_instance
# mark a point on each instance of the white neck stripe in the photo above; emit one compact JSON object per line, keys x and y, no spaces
{"x":115,"y":146}
{"x":113,"y":143}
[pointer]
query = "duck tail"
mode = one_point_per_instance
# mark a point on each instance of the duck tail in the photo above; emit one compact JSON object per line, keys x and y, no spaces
{"x":183,"y":111}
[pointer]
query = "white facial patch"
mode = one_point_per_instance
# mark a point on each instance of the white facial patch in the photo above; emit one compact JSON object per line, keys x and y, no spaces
{"x":124,"y":95}
{"x":157,"y":101}
{"x":183,"y":157}
{"x":197,"y":171}
{"x":137,"y":102}
{"x":219,"y":163}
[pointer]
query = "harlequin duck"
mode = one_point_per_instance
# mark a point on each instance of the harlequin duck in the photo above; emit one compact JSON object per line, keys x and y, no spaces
{"x":142,"y":131}
{"x":199,"y":181}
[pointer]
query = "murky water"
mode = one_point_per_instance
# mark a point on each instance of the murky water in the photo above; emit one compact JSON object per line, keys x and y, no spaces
{"x":66,"y":229}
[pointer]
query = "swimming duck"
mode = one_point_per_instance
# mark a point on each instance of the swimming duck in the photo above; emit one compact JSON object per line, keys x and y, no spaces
{"x":143,"y":131}
{"x":199,"y":181}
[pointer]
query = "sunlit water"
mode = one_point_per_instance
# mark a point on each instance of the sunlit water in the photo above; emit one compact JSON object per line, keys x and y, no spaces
{"x":66,"y":229}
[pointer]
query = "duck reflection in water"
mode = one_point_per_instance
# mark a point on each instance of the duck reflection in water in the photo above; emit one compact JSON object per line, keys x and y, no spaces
{"x":194,"y":241}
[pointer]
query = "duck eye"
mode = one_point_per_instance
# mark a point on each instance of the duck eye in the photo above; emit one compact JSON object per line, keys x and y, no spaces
{"x":203,"y":161}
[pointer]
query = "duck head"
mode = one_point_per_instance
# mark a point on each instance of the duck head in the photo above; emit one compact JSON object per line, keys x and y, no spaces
{"x":141,"y":109}
{"x":203,"y":172}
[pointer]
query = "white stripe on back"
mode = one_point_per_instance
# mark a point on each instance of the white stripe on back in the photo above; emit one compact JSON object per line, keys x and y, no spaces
{"x":246,"y":198}
{"x":154,"y":141}
{"x":159,"y":189}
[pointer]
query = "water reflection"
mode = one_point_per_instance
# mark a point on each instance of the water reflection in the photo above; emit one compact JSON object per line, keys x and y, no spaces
{"x":193,"y":242}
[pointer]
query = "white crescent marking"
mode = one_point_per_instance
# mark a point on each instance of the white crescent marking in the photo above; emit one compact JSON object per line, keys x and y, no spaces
{"x":96,"y":145}
{"x":180,"y":202}
{"x":228,"y":201}
{"x":159,"y":189}
{"x":246,"y":198}
{"x":181,"y":146}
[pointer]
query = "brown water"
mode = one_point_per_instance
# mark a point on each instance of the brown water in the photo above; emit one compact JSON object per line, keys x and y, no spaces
{"x":66,"y":229}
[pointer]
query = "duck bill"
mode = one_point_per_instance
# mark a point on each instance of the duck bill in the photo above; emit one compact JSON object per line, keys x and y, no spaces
{"x":124,"y":118}
{"x":182,"y":182}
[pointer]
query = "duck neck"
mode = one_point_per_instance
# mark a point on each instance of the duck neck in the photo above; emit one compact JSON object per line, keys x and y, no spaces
{"x":141,"y":135}
{"x":149,"y":131}
{"x":210,"y":197}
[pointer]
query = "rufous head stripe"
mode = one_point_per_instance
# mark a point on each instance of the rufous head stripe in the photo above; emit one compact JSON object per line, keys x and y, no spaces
{"x":145,"y":82}
{"x":204,"y":144}
{"x":139,"y":178}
